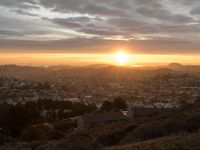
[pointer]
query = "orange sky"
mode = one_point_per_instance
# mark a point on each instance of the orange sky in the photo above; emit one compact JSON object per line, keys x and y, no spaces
{"x":86,"y":59}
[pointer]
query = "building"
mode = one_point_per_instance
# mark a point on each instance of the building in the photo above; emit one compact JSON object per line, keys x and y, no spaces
{"x":95,"y":119}
{"x":147,"y":111}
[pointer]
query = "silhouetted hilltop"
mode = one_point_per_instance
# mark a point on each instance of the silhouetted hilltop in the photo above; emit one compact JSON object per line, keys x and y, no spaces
{"x":180,"y":67}
{"x":176,"y":66}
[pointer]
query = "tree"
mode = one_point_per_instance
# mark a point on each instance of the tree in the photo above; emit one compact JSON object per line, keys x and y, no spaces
{"x":20,"y":117}
{"x":107,"y":106}
{"x":119,"y":103}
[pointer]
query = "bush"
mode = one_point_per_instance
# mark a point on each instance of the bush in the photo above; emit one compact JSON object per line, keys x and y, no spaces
{"x":40,"y":132}
{"x":65,"y":125}
{"x":149,"y":130}
{"x":112,"y":139}
{"x":192,"y":123}
{"x":160,"y":127}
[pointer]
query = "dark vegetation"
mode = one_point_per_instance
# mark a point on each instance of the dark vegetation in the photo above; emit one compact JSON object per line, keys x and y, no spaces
{"x":181,"y":128}
{"x":176,"y":142}
{"x":51,"y":119}
{"x":116,"y":105}
{"x":14,"y":119}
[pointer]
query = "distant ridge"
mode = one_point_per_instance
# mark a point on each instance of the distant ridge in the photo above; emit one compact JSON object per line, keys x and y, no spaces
{"x":176,"y":66}
{"x":97,"y":66}
{"x":180,"y":67}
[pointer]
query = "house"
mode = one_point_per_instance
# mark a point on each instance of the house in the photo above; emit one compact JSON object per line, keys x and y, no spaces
{"x":146,"y":111}
{"x":95,"y":119}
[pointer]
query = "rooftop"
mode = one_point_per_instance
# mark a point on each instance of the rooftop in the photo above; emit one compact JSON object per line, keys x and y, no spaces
{"x":99,"y":117}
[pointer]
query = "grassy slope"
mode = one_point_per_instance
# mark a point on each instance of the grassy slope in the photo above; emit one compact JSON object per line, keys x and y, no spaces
{"x":166,"y":128}
{"x":177,"y":142}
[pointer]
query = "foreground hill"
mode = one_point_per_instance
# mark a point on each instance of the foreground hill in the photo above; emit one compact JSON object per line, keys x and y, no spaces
{"x":176,"y":142}
{"x":177,"y":130}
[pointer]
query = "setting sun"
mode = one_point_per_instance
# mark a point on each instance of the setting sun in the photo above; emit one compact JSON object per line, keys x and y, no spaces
{"x":120,"y":58}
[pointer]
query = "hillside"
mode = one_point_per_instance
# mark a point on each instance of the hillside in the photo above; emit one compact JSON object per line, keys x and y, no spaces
{"x":177,"y":130}
{"x":175,"y":142}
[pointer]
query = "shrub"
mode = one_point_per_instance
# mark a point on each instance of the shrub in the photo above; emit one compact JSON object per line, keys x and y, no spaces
{"x":65,"y":125}
{"x":192,"y":123}
{"x":40,"y":132}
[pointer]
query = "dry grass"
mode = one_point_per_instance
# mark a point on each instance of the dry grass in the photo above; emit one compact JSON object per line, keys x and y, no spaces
{"x":178,"y":142}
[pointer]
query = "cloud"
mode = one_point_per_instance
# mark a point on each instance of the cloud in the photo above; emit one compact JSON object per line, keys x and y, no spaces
{"x":101,"y":10}
{"x":23,"y":12}
{"x":146,"y":24}
{"x":67,"y":23}
{"x":162,"y":14}
{"x":10,"y":33}
{"x":18,"y":3}
{"x":100,"y":32}
{"x":195,"y":11}
{"x":97,"y":45}
{"x":94,"y":7}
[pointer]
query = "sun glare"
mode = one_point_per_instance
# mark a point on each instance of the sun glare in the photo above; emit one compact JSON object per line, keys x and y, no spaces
{"x":120,"y":58}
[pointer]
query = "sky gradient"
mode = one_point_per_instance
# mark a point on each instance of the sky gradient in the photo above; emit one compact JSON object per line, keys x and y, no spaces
{"x":164,"y":27}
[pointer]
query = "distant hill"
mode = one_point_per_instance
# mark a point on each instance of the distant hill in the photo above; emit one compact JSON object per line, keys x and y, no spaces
{"x":100,"y":71}
{"x":97,"y":66}
{"x":180,"y":67}
{"x":176,"y":66}
{"x":53,"y":73}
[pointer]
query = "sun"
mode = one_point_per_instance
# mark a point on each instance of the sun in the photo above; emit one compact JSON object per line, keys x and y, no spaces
{"x":120,"y":58}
